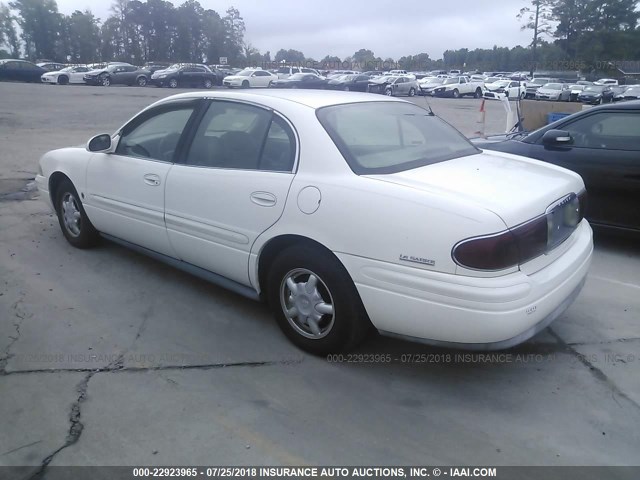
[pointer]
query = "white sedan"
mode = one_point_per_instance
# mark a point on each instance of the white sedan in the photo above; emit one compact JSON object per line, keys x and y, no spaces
{"x":250,"y":77}
{"x":511,"y":88}
{"x":345,"y":211}
{"x":66,"y":75}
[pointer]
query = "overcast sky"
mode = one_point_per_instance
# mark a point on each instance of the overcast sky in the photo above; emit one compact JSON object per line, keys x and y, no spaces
{"x":391,"y":28}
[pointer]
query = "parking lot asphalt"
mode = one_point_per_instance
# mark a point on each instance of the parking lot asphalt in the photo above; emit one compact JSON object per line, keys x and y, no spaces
{"x":110,"y":358}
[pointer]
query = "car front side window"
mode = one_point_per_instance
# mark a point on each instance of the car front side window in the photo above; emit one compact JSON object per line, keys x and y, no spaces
{"x":606,"y":130}
{"x":155,"y":136}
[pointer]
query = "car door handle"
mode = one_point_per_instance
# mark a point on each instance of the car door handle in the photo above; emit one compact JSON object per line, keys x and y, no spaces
{"x":152,"y":179}
{"x":264,"y":199}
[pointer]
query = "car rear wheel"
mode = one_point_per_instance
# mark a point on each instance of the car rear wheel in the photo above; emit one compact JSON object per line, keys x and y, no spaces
{"x":173,"y":83}
{"x":142,"y":81}
{"x":315,"y":301}
{"x":63,"y":80}
{"x":76,"y":226}
{"x":207,"y":83}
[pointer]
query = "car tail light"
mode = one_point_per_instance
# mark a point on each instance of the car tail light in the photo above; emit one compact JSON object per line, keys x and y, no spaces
{"x":524,"y":242}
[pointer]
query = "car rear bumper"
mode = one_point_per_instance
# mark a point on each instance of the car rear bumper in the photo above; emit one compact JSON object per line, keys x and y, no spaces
{"x":470,"y":312}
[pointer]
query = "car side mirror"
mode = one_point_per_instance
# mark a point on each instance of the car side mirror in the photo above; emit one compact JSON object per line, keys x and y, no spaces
{"x":557,"y":138}
{"x":100,"y":143}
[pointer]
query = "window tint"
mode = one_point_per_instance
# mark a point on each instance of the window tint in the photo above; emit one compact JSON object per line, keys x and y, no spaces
{"x":278,"y":153}
{"x":230,"y":136}
{"x":386,"y":137}
{"x":612,"y":130}
{"x":155,"y":137}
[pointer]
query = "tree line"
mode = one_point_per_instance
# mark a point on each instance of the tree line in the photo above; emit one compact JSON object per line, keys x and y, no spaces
{"x":136,"y":31}
{"x":582,"y":35}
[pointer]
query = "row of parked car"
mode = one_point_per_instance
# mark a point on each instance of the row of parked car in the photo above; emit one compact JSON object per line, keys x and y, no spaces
{"x":452,"y":84}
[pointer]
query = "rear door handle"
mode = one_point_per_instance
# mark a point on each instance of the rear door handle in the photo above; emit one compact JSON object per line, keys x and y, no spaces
{"x":264,"y":199}
{"x":152,"y":179}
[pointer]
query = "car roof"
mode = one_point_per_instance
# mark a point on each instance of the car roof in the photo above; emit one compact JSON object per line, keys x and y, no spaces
{"x":311,"y":98}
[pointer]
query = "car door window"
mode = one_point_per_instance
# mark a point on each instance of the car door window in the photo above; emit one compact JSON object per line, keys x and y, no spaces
{"x":230,"y":135}
{"x":606,"y":130}
{"x":278,"y":152}
{"x":240,"y":136}
{"x":156,"y":135}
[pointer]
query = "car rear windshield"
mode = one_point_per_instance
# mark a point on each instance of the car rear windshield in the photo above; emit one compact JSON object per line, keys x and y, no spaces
{"x":390,"y":137}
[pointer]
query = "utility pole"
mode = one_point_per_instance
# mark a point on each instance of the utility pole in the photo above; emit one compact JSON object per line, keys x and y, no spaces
{"x":535,"y":39}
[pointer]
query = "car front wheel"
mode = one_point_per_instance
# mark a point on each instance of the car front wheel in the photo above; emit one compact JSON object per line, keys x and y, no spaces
{"x":76,"y":226}
{"x":142,"y":81}
{"x":106,"y":81}
{"x":315,"y":301}
{"x":173,"y":83}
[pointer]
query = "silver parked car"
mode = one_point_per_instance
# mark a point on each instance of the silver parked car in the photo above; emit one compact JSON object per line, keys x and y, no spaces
{"x":402,"y":86}
{"x":560,"y":92}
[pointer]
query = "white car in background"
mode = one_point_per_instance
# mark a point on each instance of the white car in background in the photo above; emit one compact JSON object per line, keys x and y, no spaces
{"x":606,"y":81}
{"x":65,"y":76}
{"x":500,"y":88}
{"x":249,"y":78}
{"x":345,"y":211}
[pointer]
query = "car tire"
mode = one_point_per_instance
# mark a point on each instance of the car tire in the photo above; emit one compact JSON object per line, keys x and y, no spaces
{"x":245,"y":84}
{"x":388,"y":92}
{"x":346,"y":88}
{"x":270,"y":84}
{"x":173,"y":83}
{"x":63,"y":80}
{"x":142,"y":81}
{"x":455,"y":93}
{"x":76,"y":226}
{"x":207,"y":83}
{"x":331,"y":317}
{"x":477,"y":93}
{"x":106,"y":81}
{"x":412,"y":92}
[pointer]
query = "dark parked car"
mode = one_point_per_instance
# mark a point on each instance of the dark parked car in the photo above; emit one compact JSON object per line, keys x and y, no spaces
{"x":20,"y":71}
{"x":602,"y":144}
{"x":300,"y":80}
{"x":184,"y":76}
{"x":596,"y":94}
{"x":118,"y":73}
{"x":357,"y":83}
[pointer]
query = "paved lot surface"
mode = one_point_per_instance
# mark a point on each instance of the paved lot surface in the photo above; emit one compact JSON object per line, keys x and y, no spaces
{"x":109,"y":358}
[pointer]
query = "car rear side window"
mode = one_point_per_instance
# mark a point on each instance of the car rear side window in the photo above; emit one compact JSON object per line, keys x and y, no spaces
{"x":241,"y":136}
{"x":389,"y":137}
